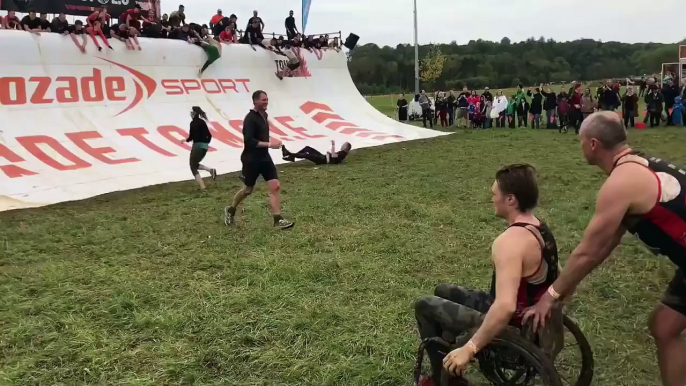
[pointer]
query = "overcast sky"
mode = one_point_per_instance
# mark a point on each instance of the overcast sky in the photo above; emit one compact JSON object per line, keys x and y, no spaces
{"x":389,"y":22}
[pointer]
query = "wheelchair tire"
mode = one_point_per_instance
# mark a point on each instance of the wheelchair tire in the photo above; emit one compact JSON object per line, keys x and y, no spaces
{"x":510,"y":339}
{"x":587,"y":363}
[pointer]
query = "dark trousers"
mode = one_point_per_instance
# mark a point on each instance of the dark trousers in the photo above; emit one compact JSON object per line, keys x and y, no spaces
{"x":451,"y":116}
{"x":522,"y":118}
{"x":428,"y":114}
{"x":310,"y":154}
{"x":629,"y":118}
{"x":444,"y":120}
{"x":290,"y":33}
{"x":511,"y":121}
{"x":655,"y":118}
{"x":451,"y":311}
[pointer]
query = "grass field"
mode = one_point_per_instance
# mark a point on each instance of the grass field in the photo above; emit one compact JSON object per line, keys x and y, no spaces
{"x":149,"y":288}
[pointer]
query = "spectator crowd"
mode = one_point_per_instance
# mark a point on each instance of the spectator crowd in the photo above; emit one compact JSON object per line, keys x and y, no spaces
{"x":565,"y":109}
{"x":135,"y":22}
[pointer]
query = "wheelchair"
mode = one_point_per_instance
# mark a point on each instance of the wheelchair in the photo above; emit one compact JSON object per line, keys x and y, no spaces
{"x":517,"y":357}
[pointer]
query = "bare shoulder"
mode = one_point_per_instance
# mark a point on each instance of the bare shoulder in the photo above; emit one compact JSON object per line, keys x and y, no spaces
{"x":631,"y":187}
{"x":515,"y":240}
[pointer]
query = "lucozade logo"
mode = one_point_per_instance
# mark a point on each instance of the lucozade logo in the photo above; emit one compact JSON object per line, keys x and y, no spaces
{"x":93,"y":88}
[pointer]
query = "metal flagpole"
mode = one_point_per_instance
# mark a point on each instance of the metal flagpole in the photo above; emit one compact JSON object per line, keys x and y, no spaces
{"x":416,"y":53}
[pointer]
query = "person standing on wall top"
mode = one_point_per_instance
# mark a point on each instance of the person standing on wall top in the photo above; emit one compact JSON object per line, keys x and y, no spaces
{"x":200,"y":135}
{"x":178,"y":18}
{"x":291,"y":28}
{"x":257,"y":162}
{"x":260,"y":23}
{"x":216,"y":18}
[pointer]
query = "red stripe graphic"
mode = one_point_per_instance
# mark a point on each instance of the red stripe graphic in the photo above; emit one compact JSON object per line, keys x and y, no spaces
{"x":669,"y":222}
{"x":337,"y":122}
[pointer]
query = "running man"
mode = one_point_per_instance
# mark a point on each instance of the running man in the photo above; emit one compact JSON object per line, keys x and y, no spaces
{"x":311,"y":154}
{"x":646,"y":196}
{"x":526,"y":263}
{"x":257,"y":162}
{"x":200,"y":135}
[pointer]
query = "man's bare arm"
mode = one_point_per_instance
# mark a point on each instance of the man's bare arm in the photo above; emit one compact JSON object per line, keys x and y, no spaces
{"x":602,"y":235}
{"x":508,"y":256}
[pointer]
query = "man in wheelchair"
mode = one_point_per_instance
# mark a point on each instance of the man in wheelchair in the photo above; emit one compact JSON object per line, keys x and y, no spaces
{"x":526,"y":264}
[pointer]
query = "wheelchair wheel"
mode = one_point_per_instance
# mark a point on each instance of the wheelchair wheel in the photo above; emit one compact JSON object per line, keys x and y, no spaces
{"x":512,"y":360}
{"x":574,"y":363}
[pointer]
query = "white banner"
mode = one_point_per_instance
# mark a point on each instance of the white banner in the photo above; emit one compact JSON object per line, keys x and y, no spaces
{"x":75,"y":125}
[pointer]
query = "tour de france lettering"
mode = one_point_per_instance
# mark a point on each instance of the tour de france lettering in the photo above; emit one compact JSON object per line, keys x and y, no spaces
{"x":36,"y":90}
{"x":224,"y":134}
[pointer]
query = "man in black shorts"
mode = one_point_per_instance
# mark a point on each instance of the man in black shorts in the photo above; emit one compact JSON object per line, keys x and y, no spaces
{"x":308,"y":153}
{"x":257,"y":162}
{"x":645,"y":195}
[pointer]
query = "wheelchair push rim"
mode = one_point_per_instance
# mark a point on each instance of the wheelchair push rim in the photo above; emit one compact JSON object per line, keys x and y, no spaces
{"x":574,"y":363}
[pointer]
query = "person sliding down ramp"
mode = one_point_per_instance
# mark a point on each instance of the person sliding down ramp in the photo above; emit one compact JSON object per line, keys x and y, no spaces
{"x":213,"y":49}
{"x":311,"y":154}
{"x":293,"y":63}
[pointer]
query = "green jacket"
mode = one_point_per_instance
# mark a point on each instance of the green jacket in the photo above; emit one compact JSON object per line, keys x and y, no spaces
{"x":520,"y":95}
{"x":511,"y":106}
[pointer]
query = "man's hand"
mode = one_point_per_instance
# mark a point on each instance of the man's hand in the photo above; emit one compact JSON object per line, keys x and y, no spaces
{"x":540,"y":312}
{"x":457,"y":360}
{"x":274,"y":144}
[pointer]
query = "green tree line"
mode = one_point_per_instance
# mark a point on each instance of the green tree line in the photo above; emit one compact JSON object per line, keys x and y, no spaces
{"x":480,"y":63}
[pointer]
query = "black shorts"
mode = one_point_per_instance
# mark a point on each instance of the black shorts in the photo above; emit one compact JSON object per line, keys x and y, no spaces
{"x":675,"y":296}
{"x":254,"y":169}
{"x":292,"y":66}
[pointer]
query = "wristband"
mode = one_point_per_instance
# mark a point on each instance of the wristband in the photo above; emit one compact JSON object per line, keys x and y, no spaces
{"x":472,"y":347}
{"x":556,"y":295}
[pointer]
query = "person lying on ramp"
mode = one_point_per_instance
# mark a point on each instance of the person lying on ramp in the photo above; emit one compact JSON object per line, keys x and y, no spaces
{"x":308,"y":153}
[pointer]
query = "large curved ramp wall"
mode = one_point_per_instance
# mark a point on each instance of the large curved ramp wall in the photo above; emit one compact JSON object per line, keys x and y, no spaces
{"x":76,"y":125}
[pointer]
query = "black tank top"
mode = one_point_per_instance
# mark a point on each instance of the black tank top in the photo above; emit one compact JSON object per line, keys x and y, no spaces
{"x":663,"y":228}
{"x":531,"y":288}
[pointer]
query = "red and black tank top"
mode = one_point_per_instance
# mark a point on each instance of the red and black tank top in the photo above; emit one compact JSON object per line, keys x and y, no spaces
{"x":531,"y":288}
{"x":663,"y":228}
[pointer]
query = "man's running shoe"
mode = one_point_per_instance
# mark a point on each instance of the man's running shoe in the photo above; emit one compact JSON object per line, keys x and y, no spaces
{"x":284,"y":224}
{"x":213,"y":173}
{"x":284,"y":152}
{"x":228,"y":217}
